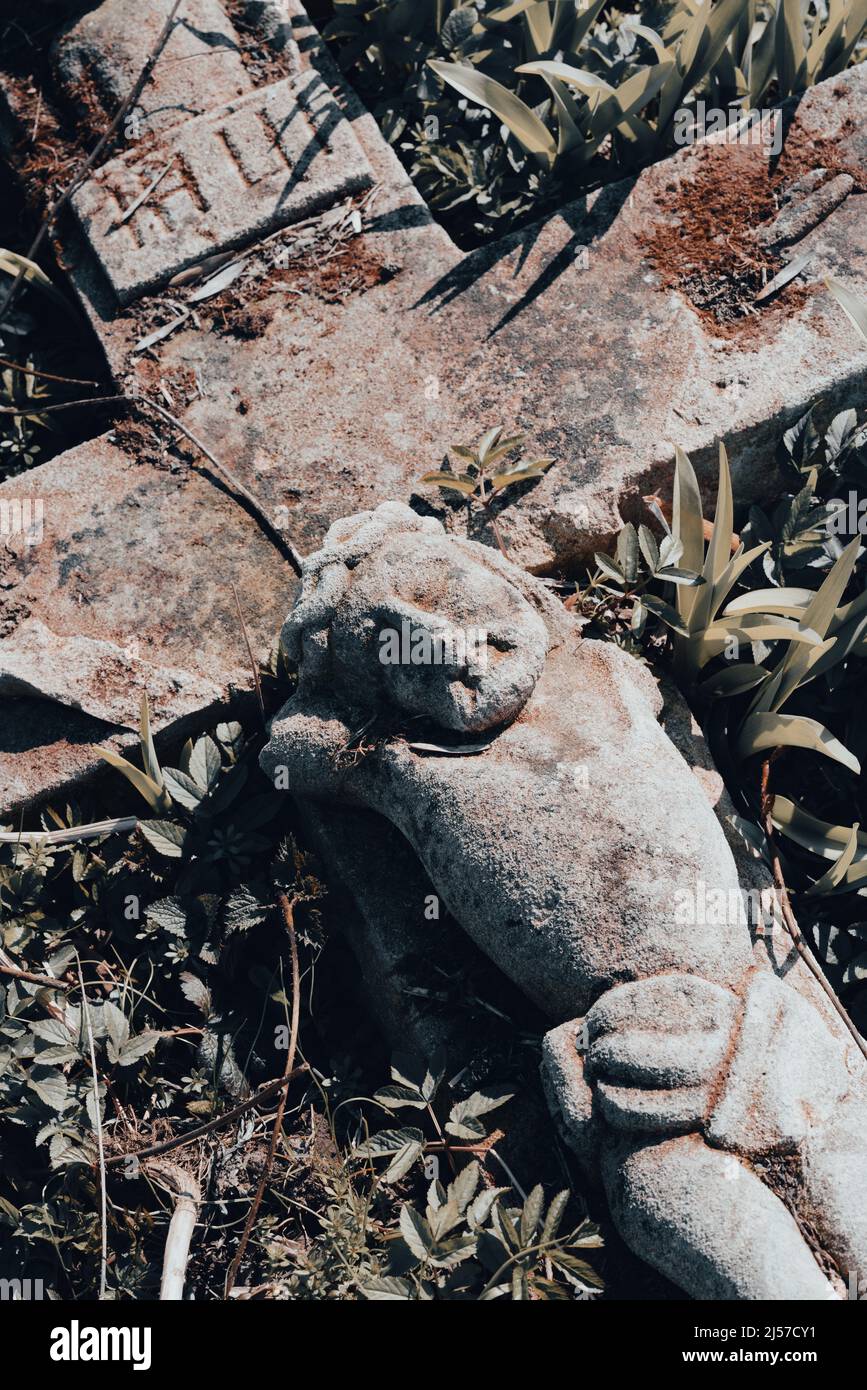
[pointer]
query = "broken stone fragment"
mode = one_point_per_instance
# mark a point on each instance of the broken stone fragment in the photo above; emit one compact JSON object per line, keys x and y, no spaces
{"x":266,"y":159}
{"x":99,"y":58}
{"x":800,"y":215}
{"x":128,"y":589}
{"x":561,"y":845}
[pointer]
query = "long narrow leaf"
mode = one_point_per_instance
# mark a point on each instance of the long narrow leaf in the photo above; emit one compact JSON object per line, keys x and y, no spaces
{"x":528,"y":129}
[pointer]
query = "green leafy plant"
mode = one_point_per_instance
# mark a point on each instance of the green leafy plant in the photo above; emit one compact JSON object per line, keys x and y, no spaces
{"x":484,"y":477}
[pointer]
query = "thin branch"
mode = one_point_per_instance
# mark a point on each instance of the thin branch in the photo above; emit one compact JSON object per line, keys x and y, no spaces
{"x":97,"y":1120}
{"x":143,"y":197}
{"x":287,"y":907}
{"x":47,"y":376}
{"x":62,"y":405}
{"x":798,"y":939}
{"x":47,"y":981}
{"x":192,"y":1134}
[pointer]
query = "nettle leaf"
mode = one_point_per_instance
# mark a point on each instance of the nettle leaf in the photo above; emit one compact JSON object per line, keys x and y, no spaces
{"x":555,"y":1215}
{"x":387,"y":1141}
{"x":116,"y":1027}
{"x":387,"y":1289}
{"x":169,"y":915}
{"x":64,"y":1150}
{"x":167,"y":839}
{"x":182,"y":788}
{"x":417,"y":1074}
{"x":244,"y":910}
{"x":465,"y":1118}
{"x":50,"y":1086}
{"x":231,"y":736}
{"x":51,"y":1030}
{"x":196,"y":991}
{"x":396,"y":1097}
{"x":609,"y":567}
{"x":416,"y":1232}
{"x":136,"y":1048}
{"x":532,"y":1215}
{"x":206,"y":762}
{"x":463,"y":1189}
{"x":403,"y":1161}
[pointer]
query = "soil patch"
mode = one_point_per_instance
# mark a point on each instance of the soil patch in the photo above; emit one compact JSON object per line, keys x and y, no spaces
{"x":706,"y":242}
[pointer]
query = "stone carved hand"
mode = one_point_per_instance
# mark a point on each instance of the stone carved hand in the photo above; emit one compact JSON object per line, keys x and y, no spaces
{"x":675,"y":1053}
{"x":656,"y":1050}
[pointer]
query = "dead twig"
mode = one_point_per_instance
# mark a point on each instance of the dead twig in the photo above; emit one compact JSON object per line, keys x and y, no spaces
{"x":287,"y":907}
{"x":253,"y":663}
{"x":187,"y":1192}
{"x":152,"y":1150}
{"x":47,"y":376}
{"x":790,"y":922}
{"x":143,"y":197}
{"x":47,"y":981}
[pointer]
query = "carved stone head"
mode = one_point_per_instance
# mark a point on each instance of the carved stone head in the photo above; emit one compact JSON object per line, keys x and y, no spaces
{"x":395,"y":613}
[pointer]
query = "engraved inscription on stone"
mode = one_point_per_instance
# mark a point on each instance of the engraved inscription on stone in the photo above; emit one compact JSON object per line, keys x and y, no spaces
{"x":220,"y":180}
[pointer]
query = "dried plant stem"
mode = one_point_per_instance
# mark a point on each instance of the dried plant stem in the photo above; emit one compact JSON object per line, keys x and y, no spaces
{"x":187,"y":1192}
{"x":71,"y":835}
{"x":798,"y":939}
{"x":97,"y":1120}
{"x":8,"y":968}
{"x":254,"y":665}
{"x":178,"y":1140}
{"x":46,"y":376}
{"x":287,"y":907}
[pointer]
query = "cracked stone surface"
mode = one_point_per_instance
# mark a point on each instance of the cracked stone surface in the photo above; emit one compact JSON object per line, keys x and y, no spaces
{"x":325,"y":401}
{"x":126,"y":592}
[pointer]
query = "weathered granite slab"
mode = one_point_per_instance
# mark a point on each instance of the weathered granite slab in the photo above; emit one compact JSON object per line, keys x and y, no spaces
{"x":264,"y":160}
{"x":564,"y":330}
{"x":129,"y":589}
{"x":327,"y":402}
